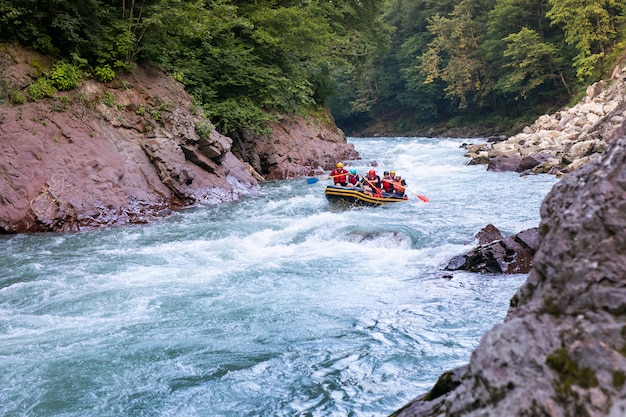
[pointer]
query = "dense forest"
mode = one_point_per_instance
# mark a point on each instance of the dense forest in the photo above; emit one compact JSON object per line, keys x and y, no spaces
{"x":492,"y":62}
{"x":409,"y":63}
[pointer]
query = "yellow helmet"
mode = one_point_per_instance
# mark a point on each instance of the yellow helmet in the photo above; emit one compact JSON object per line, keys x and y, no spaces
{"x":392,"y":173}
{"x":339,"y":165}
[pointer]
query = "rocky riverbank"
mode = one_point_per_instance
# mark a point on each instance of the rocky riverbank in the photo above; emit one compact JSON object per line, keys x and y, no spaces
{"x":132,"y":150}
{"x":564,"y":141}
{"x":555,"y":144}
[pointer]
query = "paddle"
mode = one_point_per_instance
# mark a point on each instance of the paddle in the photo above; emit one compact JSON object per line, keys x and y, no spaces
{"x":422,"y":198}
{"x":379,"y":193}
{"x":313,"y":180}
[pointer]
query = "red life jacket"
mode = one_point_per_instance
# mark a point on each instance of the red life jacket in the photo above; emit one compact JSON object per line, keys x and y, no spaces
{"x":398,"y":187}
{"x":339,"y":175}
{"x":374,"y":182}
{"x":387,"y":185}
{"x":354,"y":179}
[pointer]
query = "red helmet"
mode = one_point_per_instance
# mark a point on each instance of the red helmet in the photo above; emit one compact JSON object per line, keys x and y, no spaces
{"x":371,"y":172}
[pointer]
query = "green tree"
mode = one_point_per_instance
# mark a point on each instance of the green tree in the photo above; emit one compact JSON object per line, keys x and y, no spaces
{"x":392,"y":85}
{"x":455,"y":56}
{"x":412,"y":18}
{"x":58,"y":28}
{"x":591,"y":26}
{"x":527,"y":50}
{"x":532,"y":63}
{"x":245,"y":60}
{"x":510,"y":16}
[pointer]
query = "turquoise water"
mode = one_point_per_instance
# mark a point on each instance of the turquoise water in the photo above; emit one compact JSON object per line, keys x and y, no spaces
{"x":278,"y":305}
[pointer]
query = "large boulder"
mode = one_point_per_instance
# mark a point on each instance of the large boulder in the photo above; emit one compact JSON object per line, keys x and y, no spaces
{"x":497,"y":254}
{"x":561,"y":351}
{"x":504,"y":162}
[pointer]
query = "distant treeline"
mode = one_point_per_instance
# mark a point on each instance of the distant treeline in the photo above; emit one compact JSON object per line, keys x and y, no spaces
{"x":366,"y":59}
{"x":490,"y":60}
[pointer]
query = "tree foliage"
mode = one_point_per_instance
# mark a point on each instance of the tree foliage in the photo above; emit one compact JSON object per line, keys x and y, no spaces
{"x":531,"y":62}
{"x":591,"y":26}
{"x":425,"y":60}
{"x":454,"y":59}
{"x":454,"y":55}
{"x":241,"y":60}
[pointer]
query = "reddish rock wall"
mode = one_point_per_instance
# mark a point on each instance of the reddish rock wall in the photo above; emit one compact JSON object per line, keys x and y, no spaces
{"x":128,"y":151}
{"x":298,"y":146}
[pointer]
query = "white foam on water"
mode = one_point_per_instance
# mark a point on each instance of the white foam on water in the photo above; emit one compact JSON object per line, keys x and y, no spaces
{"x":281,"y":304}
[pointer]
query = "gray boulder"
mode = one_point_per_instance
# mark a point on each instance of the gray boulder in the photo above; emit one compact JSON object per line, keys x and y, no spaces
{"x":497,"y":254}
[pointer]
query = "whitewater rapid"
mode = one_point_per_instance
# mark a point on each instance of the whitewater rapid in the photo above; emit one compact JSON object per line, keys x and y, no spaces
{"x":277,"y":305}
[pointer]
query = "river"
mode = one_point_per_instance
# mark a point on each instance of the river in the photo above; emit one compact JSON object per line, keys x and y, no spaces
{"x":277,"y":305}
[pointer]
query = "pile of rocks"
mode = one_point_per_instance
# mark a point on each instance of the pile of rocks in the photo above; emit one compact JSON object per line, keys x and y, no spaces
{"x":564,"y":141}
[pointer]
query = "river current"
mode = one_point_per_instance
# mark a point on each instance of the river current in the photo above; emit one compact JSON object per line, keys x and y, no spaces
{"x":277,"y":305}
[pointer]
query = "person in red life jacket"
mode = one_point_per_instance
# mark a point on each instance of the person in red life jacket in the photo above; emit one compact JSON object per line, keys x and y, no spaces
{"x":371,"y":183}
{"x":339,"y":175}
{"x":398,"y":183}
{"x":387,"y":183}
{"x":354,"y":179}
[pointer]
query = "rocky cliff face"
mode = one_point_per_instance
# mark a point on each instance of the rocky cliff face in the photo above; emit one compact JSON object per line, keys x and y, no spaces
{"x":296,"y":147}
{"x":128,"y":151}
{"x":561,"y":350}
